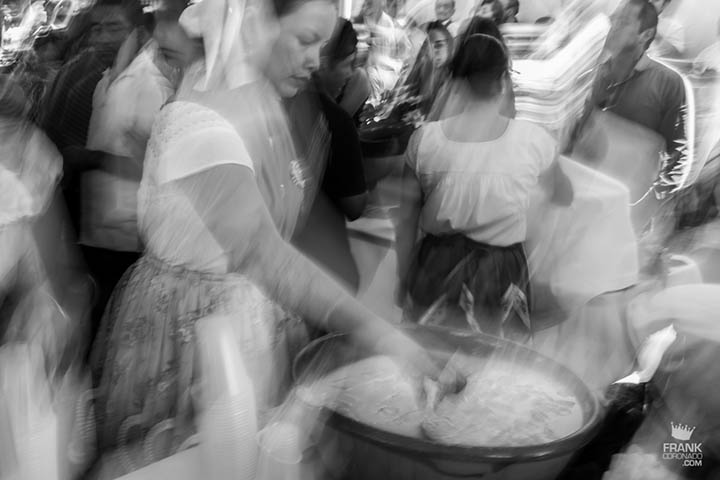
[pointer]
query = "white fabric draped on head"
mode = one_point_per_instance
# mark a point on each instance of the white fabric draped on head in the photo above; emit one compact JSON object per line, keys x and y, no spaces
{"x":235,"y":34}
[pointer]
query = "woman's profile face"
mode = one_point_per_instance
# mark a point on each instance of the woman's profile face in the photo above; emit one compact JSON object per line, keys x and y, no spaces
{"x":296,"y":51}
{"x":485,"y":11}
{"x":439,"y":48}
{"x":174,"y":45}
{"x":337,"y":75}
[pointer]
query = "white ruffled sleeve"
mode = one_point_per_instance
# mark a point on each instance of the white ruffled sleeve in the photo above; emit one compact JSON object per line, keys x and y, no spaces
{"x":202,"y":139}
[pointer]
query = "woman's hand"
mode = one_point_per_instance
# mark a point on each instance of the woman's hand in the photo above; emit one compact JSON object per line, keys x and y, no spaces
{"x":451,"y":381}
{"x":422,"y":365}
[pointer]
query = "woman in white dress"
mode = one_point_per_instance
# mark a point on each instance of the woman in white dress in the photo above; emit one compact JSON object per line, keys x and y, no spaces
{"x":40,"y":289}
{"x":220,"y":196}
{"x":467,"y":190}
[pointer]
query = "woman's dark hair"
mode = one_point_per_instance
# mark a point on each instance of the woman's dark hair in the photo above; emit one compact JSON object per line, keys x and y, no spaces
{"x":483,"y":62}
{"x":342,"y":44}
{"x":284,"y":7}
{"x":132,"y":10}
{"x":481,"y":26}
{"x":438,"y":26}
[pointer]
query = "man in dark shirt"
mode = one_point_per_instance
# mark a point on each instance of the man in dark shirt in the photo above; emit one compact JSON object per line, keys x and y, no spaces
{"x":69,"y":104}
{"x":635,"y":87}
{"x":328,"y":142}
{"x":331,"y":149}
{"x":344,"y":179}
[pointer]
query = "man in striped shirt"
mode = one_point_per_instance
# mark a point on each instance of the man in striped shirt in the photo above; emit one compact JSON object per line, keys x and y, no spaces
{"x":68,"y":106}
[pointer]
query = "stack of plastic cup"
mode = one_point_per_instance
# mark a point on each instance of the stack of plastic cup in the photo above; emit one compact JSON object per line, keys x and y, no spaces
{"x":280,"y":452}
{"x":28,"y":414}
{"x":228,"y":422}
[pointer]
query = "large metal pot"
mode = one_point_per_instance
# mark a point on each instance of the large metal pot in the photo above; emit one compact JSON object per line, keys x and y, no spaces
{"x":376,"y":454}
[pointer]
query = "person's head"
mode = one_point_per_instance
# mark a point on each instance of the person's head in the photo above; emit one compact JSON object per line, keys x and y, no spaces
{"x":174,"y":44}
{"x":512,"y":8}
{"x":440,"y":43}
{"x":111,"y":21}
{"x":373,"y":8}
{"x":337,"y":57}
{"x":491,"y":9}
{"x":480,"y":26}
{"x":482,"y":62}
{"x":444,"y":9}
{"x":660,"y":5}
{"x":633,"y":27}
{"x":304,"y":27}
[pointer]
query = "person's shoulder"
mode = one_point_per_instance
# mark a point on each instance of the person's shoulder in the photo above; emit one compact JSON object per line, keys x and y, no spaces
{"x":193,"y":110}
{"x":533,"y":138}
{"x":339,"y":121}
{"x":185,"y":119}
{"x":144,"y":60}
{"x":663,"y":70}
{"x":429,"y":135}
{"x":708,"y":59}
{"x":189,"y":137}
{"x":74,"y":63}
{"x":710,"y":52}
{"x":427,"y":127}
{"x":331,"y":109}
{"x":529,"y":131}
{"x":666,"y":76}
{"x":420,"y":135}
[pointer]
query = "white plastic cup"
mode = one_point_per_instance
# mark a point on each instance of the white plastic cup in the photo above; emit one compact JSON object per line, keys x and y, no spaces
{"x":279,"y":452}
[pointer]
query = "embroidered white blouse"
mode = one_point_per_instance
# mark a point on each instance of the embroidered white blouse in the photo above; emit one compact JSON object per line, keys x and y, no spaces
{"x":479,"y":189}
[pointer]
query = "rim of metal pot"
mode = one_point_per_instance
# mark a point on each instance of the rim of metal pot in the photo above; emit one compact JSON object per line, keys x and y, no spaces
{"x":501,"y":454}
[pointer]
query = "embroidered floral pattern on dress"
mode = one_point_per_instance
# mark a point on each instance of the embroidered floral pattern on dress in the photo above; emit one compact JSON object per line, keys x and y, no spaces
{"x":149,"y":363}
{"x":297,"y":174}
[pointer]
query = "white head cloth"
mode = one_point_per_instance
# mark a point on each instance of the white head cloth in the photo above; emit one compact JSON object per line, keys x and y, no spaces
{"x":236,"y":35}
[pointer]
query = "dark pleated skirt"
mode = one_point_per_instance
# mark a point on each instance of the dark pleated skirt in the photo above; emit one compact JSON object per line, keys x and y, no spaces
{"x":453,"y":278}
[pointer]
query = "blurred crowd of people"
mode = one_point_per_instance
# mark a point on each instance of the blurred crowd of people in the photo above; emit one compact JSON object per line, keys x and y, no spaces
{"x":170,"y":161}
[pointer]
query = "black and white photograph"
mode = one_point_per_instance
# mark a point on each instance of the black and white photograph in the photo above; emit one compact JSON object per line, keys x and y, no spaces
{"x":359,"y":239}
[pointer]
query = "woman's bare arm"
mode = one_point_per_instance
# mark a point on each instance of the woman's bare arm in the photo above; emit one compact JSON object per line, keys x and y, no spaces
{"x":240,"y":221}
{"x":406,"y":229}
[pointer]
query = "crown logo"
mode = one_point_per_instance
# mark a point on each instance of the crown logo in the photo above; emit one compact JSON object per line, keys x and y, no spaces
{"x":680,"y":431}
